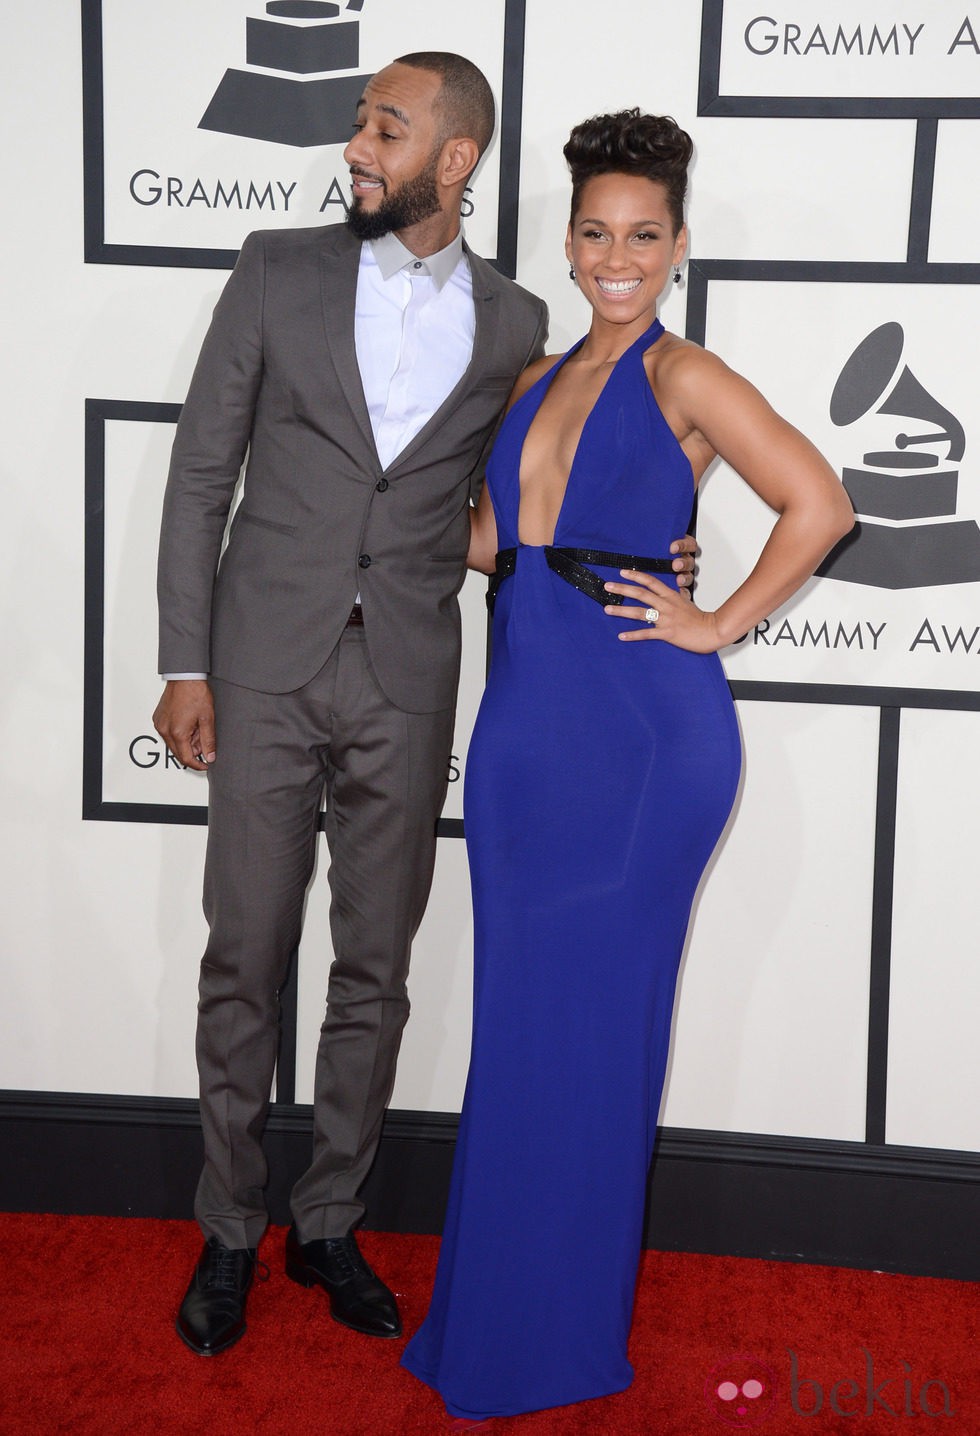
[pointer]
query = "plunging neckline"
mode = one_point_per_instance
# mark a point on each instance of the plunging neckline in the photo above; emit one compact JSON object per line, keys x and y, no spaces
{"x":546,"y":380}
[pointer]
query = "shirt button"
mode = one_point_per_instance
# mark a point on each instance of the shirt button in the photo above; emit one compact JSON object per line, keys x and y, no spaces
{"x":417,"y":264}
{"x":364,"y":561}
{"x":381,"y":485}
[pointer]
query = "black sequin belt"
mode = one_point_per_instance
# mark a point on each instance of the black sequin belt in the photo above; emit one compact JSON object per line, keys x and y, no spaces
{"x":569,"y":564}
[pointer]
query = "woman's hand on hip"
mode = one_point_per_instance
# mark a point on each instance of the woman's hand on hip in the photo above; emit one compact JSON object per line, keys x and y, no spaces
{"x":664,"y":612}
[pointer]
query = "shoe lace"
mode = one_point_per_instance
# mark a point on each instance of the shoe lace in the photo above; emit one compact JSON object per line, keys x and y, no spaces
{"x":350,"y":1262}
{"x":228,"y":1268}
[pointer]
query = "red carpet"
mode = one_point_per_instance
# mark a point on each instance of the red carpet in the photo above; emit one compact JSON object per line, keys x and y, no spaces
{"x":87,"y":1347}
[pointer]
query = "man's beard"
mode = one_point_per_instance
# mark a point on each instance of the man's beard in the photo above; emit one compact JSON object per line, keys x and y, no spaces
{"x":411,"y":203}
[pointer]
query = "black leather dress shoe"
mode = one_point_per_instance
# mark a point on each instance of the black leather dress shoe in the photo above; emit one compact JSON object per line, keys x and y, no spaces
{"x":358,"y":1298}
{"x":212,"y":1314}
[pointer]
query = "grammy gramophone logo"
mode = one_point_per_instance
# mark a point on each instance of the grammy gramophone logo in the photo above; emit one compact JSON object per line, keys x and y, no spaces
{"x":907,"y":534}
{"x":289,"y":91}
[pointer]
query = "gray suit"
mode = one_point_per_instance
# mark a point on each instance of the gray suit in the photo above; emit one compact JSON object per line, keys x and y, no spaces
{"x":305,"y":704}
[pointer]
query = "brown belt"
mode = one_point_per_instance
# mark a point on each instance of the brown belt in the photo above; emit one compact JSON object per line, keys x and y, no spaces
{"x":356,"y":619}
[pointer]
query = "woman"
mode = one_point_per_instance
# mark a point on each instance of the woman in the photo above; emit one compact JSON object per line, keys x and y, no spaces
{"x":601,"y":773}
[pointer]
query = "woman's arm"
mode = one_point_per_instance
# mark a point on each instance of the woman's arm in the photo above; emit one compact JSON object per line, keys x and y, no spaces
{"x":483,"y":534}
{"x":726,"y":414}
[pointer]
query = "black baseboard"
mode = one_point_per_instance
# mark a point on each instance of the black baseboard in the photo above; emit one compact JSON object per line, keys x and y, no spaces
{"x":850,"y":1204}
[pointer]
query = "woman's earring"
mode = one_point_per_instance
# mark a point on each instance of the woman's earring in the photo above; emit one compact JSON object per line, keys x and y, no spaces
{"x":571,"y":273}
{"x":677,"y":274}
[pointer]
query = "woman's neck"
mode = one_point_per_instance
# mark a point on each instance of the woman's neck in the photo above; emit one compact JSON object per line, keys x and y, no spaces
{"x":605,"y":342}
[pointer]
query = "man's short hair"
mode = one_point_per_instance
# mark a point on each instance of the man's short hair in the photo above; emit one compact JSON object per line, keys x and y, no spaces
{"x":465,"y":99}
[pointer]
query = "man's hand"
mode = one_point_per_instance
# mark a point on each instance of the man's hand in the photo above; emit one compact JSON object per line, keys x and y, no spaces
{"x":184,"y":718}
{"x":684,"y":551}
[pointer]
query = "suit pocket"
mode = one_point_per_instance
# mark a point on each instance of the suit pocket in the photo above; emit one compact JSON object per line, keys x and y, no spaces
{"x":494,"y":384}
{"x":249,"y":518}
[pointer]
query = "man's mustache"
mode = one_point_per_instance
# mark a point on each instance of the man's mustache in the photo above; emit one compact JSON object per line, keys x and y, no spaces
{"x":366,"y":174}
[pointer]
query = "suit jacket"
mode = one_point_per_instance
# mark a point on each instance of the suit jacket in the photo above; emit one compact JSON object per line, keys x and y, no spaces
{"x":319,"y":518}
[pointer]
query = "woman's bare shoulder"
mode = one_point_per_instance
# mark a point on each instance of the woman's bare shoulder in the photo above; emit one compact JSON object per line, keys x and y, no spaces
{"x":684,"y":361}
{"x":530,"y":376}
{"x":683,"y":372}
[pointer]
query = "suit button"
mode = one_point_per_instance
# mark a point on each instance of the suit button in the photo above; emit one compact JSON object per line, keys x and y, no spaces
{"x":381,"y":485}
{"x":364,"y":561}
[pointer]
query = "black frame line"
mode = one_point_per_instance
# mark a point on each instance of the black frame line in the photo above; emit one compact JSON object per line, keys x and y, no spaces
{"x":883,"y":889}
{"x":98,"y":251}
{"x":923,"y":180}
{"x":856,"y":107}
{"x":511,"y":125}
{"x":99,"y":412}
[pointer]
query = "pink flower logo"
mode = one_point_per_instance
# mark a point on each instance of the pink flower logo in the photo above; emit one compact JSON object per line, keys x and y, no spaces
{"x":741,"y":1391}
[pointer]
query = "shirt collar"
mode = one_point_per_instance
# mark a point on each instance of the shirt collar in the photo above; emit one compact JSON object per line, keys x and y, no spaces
{"x":392,"y":256}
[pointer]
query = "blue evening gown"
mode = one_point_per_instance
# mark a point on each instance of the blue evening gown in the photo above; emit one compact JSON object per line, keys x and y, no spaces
{"x":598,"y":781}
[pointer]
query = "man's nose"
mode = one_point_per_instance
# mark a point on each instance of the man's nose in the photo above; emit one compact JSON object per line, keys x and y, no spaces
{"x":356,"y":152}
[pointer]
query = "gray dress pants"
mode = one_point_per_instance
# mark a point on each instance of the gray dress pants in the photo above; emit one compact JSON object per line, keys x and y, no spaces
{"x":384,"y":773}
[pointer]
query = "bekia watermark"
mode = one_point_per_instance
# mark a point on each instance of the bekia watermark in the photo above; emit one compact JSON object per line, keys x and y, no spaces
{"x":743,"y":1391}
{"x":850,"y":1396}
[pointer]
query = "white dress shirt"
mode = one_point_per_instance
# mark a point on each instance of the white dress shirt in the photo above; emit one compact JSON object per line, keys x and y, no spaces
{"x":414,"y":324}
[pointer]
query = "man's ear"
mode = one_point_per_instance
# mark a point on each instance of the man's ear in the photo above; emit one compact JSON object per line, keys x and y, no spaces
{"x":459,"y":159}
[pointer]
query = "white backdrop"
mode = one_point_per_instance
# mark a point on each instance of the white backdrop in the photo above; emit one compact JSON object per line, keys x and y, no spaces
{"x":101,"y":921}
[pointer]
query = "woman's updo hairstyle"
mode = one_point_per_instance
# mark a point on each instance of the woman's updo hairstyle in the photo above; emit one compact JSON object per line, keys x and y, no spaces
{"x":631,"y":143}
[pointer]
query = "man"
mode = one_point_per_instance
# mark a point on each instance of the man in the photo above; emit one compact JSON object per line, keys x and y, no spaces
{"x":364,"y":368}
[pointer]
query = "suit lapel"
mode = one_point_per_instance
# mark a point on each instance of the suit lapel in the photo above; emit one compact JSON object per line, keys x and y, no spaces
{"x":338,"y":294}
